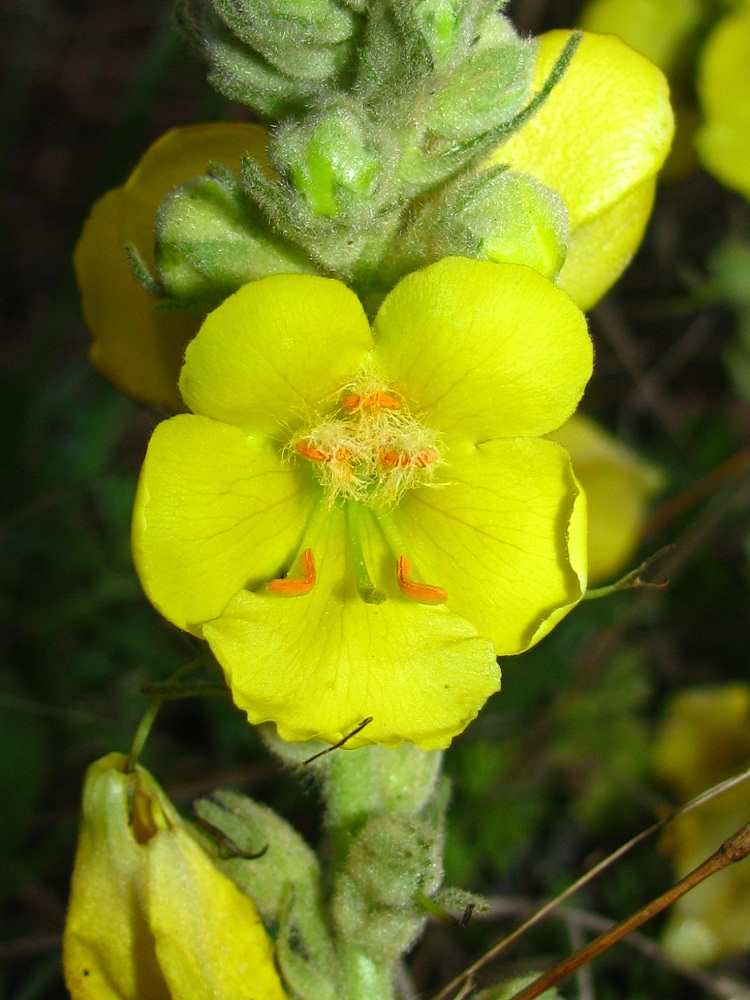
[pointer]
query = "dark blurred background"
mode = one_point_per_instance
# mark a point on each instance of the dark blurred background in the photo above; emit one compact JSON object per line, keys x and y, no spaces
{"x":86,"y":87}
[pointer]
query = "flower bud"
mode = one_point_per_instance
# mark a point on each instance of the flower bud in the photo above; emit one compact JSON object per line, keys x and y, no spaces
{"x":505,"y":217}
{"x":150,"y":916}
{"x":331,"y":160}
{"x":208,"y":243}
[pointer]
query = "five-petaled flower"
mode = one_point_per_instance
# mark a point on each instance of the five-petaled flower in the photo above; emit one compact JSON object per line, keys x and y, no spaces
{"x":358,"y":520}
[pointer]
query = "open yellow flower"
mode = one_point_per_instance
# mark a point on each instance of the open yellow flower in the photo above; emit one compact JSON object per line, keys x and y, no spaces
{"x":150,"y":916}
{"x":618,"y":484}
{"x":723,"y":141}
{"x":138,"y":346}
{"x":598,"y":140}
{"x":358,"y":520}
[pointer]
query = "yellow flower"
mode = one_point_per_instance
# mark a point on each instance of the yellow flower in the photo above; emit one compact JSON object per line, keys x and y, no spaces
{"x":705,"y":738}
{"x":599,"y":140}
{"x":357,"y":521}
{"x":723,"y":141}
{"x":150,"y":917}
{"x":138,"y":346}
{"x":661,"y":30}
{"x":618,"y":486}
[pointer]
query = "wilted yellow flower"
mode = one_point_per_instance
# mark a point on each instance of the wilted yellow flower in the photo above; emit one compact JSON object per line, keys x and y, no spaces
{"x":150,"y":916}
{"x":618,"y":484}
{"x":705,"y":738}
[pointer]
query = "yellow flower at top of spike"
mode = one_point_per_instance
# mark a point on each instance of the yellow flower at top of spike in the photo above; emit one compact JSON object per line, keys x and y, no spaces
{"x":598,"y":141}
{"x":358,"y":520}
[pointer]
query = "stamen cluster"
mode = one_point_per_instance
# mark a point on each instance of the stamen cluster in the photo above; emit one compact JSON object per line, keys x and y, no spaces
{"x":371,"y":449}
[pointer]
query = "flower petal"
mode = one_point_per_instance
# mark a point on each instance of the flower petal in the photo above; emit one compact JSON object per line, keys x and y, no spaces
{"x":274,"y":350}
{"x":618,"y":485}
{"x":318,"y":665}
{"x":723,"y":142}
{"x":505,"y":536}
{"x":137,"y":346}
{"x":216,"y":511}
{"x":600,"y":250}
{"x":604,"y":130}
{"x":485,"y":350}
{"x":210,"y":941}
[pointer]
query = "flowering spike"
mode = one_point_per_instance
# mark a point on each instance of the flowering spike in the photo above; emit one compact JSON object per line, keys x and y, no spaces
{"x":422,"y":593}
{"x":296,"y":586}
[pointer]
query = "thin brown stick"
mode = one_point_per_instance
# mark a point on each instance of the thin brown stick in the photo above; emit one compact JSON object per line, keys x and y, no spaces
{"x":710,"y":793}
{"x":735,"y":848}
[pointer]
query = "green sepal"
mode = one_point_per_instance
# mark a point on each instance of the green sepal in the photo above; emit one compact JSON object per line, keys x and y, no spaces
{"x":283,"y":882}
{"x":306,"y":40}
{"x":240,"y":73}
{"x":445,"y":25}
{"x":487,"y":89}
{"x":498,"y":215}
{"x":331,"y":159}
{"x":373,"y":906}
{"x":209,"y":242}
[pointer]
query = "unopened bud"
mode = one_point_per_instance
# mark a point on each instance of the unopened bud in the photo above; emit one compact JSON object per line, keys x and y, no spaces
{"x":332,"y":161}
{"x":209,"y":242}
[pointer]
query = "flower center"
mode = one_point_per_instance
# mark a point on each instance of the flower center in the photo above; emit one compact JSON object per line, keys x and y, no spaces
{"x":371,"y":449}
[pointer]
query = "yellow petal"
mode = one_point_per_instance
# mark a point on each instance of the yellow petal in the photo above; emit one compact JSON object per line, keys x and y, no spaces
{"x":317,"y":665}
{"x":503,"y":535}
{"x":602,"y":133}
{"x":483,"y":350}
{"x":274,"y":350}
{"x":150,"y":917}
{"x":600,"y":250}
{"x":658,"y":29}
{"x":109,"y":958}
{"x":210,"y":941}
{"x":618,"y":485}
{"x":216,"y":510}
{"x":723,"y":142}
{"x":137,"y":346}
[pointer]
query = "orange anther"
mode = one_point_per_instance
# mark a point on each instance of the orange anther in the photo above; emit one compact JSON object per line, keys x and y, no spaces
{"x":393,"y":459}
{"x":400,"y":459}
{"x":291,"y":586}
{"x":372,"y":401}
{"x":318,"y":455}
{"x":423,"y":593}
{"x":425,"y":458}
{"x":311,"y":452}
